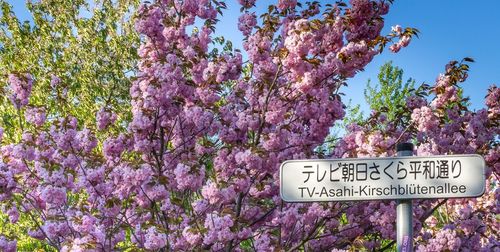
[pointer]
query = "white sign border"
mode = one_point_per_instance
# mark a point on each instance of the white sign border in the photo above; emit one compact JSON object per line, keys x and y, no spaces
{"x":483,"y":182}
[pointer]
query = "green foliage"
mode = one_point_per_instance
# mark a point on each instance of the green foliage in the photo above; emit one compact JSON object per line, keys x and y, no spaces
{"x":387,"y":97}
{"x":390,"y":94}
{"x":353,"y":114}
{"x":91,"y":46}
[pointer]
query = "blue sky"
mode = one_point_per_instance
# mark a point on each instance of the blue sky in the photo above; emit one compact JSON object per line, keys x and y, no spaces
{"x":450,"y":30}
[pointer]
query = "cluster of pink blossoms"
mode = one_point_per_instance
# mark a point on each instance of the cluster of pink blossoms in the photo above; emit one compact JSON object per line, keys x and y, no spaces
{"x":198,"y":166}
{"x":246,"y":23}
{"x":424,"y":119}
{"x":7,"y":245}
{"x":445,"y":239}
{"x":35,"y":115}
{"x":105,"y":118}
{"x":20,"y":89}
{"x":404,"y":40}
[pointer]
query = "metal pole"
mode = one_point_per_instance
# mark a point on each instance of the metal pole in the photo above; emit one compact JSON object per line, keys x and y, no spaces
{"x":404,"y":212}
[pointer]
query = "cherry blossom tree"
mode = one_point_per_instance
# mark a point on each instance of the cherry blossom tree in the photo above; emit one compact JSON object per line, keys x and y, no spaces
{"x":197,"y":166}
{"x":439,"y":122}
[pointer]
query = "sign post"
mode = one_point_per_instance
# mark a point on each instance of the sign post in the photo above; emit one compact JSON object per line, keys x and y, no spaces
{"x":402,"y":178}
{"x":404,"y":212}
